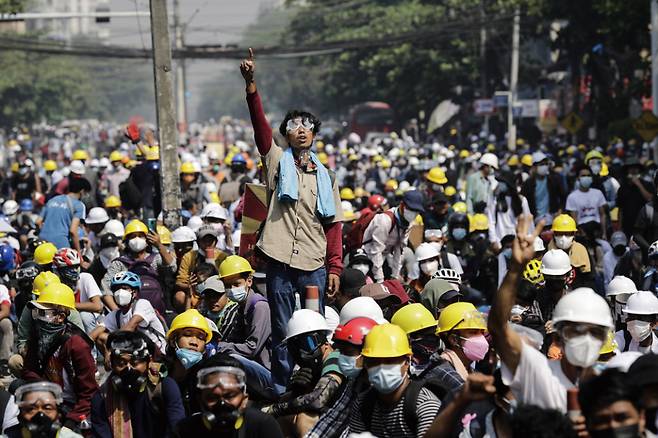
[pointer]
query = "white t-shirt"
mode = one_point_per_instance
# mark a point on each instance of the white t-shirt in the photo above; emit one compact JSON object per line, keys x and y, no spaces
{"x":586,"y":205}
{"x":4,"y":295}
{"x":634,"y":345}
{"x":538,"y":381}
{"x":87,"y":287}
{"x":150,"y":324}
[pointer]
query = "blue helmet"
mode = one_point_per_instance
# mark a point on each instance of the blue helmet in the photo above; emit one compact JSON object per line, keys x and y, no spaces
{"x":238,"y":159}
{"x":26,"y":205}
{"x":126,"y":278}
{"x":7,"y":258}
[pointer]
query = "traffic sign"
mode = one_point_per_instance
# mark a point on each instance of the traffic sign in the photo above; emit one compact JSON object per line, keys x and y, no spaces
{"x":572,"y":122}
{"x":483,"y":107}
{"x":646,"y":125}
{"x":517,"y":109}
{"x":500,"y":99}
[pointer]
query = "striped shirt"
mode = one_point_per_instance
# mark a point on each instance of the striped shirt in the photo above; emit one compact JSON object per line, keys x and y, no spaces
{"x":387,"y":422}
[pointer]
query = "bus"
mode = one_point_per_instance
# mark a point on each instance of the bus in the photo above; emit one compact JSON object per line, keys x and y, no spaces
{"x":371,"y":117}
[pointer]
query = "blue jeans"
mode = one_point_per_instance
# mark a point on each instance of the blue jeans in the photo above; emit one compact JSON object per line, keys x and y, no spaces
{"x":282,"y":283}
{"x":259,"y":378}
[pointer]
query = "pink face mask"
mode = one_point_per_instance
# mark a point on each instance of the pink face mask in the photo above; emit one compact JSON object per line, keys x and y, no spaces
{"x":475,"y":348}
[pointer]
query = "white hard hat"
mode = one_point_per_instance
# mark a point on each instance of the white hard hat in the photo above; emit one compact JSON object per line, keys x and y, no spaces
{"x":642,"y":303}
{"x":329,"y":149}
{"x":362,"y":306}
{"x":623,"y":360}
{"x":195,"y":223}
{"x":426,"y":251}
{"x":77,"y":167}
{"x":9,"y":207}
{"x":183,"y":234}
{"x":236,"y":237}
{"x":94,"y":163}
{"x":306,"y":321}
{"x":653,"y":249}
{"x":490,"y":160}
{"x":583,"y":305}
{"x":620,"y":285}
{"x":332,"y":318}
{"x":346,"y":206}
{"x":414,"y":161}
{"x":214,"y":210}
{"x":104,"y":162}
{"x":555,"y":262}
{"x":539,"y":244}
{"x":97,"y":215}
{"x":113,"y":226}
{"x":404,"y":185}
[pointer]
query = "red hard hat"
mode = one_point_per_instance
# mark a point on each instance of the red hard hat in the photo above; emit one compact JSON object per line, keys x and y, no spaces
{"x":376,"y":202}
{"x":354,"y":331}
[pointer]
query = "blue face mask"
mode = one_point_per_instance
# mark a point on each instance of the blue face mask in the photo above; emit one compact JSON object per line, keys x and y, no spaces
{"x":386,"y":378}
{"x":585,"y":182}
{"x":188,"y":358}
{"x":459,"y":233}
{"x":347,"y":365}
{"x":507,"y":253}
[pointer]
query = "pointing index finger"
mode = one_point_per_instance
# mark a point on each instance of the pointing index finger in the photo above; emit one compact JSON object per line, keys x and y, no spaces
{"x":251,"y":54}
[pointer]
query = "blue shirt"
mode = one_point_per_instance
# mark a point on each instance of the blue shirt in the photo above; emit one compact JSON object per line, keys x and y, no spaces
{"x":541,"y":196}
{"x":57,"y":217}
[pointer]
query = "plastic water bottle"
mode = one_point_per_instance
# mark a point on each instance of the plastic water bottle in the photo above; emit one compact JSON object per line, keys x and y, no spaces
{"x":84,"y":423}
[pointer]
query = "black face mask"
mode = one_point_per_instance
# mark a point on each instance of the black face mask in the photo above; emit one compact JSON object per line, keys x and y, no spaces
{"x":555,"y":285}
{"x":129,"y":382}
{"x":619,"y":250}
{"x":631,"y":431}
{"x":424,"y":348}
{"x":41,"y":426}
{"x":25,"y":285}
{"x":222,"y":416}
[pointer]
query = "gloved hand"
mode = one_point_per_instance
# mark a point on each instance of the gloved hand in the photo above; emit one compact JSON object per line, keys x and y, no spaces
{"x":302,"y":381}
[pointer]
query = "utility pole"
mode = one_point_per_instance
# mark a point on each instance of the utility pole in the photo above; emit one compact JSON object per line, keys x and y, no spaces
{"x":164,"y":109}
{"x":514,"y":78}
{"x":179,"y":41}
{"x":654,"y":67}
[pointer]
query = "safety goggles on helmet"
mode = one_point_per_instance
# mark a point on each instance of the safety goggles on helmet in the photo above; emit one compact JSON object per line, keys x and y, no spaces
{"x":294,"y":124}
{"x":29,"y":272}
{"x":138,"y":350}
{"x":225,"y":376}
{"x":307,"y":342}
{"x":42,"y":387}
{"x":569,"y":331}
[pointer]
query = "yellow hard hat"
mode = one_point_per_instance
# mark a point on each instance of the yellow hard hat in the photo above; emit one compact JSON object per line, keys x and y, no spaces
{"x":386,"y":340}
{"x":605,"y":171}
{"x":324,"y":159}
{"x":614,"y":214}
{"x":319,"y":144}
{"x":57,"y":294}
{"x":49,"y":165}
{"x":513,"y":160}
{"x":165,"y":234}
{"x":491,"y":147}
{"x":80,"y":154}
{"x":214,"y":197}
{"x":359,"y":192}
{"x":413,"y":317}
{"x":377,"y":158}
{"x":436,"y":175}
{"x":353,"y":157}
{"x":520,"y":142}
{"x":14,"y":167}
{"x":479,"y":222}
{"x":153,"y":153}
{"x":464,"y":153}
{"x":591,"y":155}
{"x":526,"y":160}
{"x":564,"y":223}
{"x":532,"y":272}
{"x":460,"y":316}
{"x":610,"y":344}
{"x":385,"y":164}
{"x":187,"y":167}
{"x":42,"y":281}
{"x":234,"y":264}
{"x":116,"y":156}
{"x":44,"y":253}
{"x":135,"y":226}
{"x":346,"y":194}
{"x":112,"y":202}
{"x":571,"y":150}
{"x":190,"y":319}
{"x":459,"y":207}
{"x":228,"y":159}
{"x":391,"y":185}
{"x":450,"y":191}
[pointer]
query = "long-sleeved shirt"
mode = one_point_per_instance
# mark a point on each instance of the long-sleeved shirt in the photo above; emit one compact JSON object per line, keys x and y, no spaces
{"x":293,"y":233}
{"x":252,"y":341}
{"x":385,"y":239}
{"x":478,"y":189}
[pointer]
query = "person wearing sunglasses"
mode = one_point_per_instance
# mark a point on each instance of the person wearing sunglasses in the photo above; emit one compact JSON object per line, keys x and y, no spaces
{"x":221,"y":392}
{"x":302,"y":234}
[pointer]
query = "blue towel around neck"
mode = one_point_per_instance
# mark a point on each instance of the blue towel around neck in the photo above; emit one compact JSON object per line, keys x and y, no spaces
{"x":288,"y":190}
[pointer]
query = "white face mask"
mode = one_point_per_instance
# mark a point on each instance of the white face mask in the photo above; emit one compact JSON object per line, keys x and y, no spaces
{"x":409,"y":215}
{"x":237,"y":294}
{"x":564,"y":242}
{"x":429,"y":268}
{"x":108,"y":254}
{"x":542,"y":170}
{"x":123,"y":297}
{"x":363,"y":268}
{"x":137,"y":244}
{"x":582,"y":351}
{"x":639,"y":330}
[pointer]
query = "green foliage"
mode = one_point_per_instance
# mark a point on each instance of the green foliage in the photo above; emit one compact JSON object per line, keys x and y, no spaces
{"x":11,"y":6}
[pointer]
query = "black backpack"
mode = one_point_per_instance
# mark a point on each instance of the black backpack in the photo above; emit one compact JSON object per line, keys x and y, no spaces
{"x":131,"y":196}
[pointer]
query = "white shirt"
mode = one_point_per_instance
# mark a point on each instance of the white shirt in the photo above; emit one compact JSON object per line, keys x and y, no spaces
{"x":150,"y":324}
{"x":385,"y":241}
{"x":634,"y":345}
{"x":11,"y":414}
{"x":538,"y":381}
{"x":87,"y":287}
{"x":586,"y":205}
{"x":4,"y":295}
{"x":503,"y":223}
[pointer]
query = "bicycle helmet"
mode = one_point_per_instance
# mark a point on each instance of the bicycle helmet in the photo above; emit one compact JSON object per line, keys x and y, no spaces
{"x":126,"y":278}
{"x":66,"y":257}
{"x":26,"y":205}
{"x":449,"y":275}
{"x":653,"y":250}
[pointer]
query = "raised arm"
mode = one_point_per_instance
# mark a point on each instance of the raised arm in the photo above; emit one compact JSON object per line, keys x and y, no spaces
{"x":506,"y":341}
{"x":262,"y":129}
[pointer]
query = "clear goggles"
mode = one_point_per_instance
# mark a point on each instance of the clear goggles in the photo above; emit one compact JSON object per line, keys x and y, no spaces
{"x":51,"y":393}
{"x":294,"y":124}
{"x":45,"y":315}
{"x":30,"y":272}
{"x":225,"y":377}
